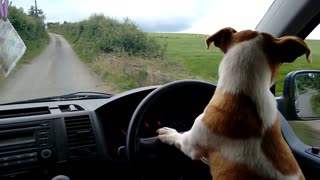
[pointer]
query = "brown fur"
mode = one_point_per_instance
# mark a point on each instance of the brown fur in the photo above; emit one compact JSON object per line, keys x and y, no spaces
{"x":277,"y":150}
{"x":233,"y":116}
{"x":227,"y":37}
{"x":285,"y":49}
{"x":221,"y":39}
{"x":224,"y":169}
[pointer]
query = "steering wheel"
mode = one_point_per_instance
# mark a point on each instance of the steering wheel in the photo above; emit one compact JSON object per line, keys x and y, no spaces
{"x":141,"y":149}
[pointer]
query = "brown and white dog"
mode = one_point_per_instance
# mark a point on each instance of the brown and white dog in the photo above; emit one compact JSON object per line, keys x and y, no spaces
{"x":239,"y":130}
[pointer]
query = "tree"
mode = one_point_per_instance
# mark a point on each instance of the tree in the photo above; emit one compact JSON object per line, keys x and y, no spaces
{"x":39,"y":13}
{"x":32,"y":11}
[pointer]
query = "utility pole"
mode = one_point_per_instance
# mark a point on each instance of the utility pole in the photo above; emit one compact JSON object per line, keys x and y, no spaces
{"x":35,"y":6}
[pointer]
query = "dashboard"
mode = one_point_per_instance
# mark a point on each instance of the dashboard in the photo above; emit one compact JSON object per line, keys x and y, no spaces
{"x":42,"y":140}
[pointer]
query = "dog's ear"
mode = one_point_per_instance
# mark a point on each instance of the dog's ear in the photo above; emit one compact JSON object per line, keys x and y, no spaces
{"x":221,"y":39}
{"x":291,"y":47}
{"x":288,"y":48}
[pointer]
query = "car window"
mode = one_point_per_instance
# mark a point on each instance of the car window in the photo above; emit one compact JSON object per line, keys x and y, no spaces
{"x":307,"y":95}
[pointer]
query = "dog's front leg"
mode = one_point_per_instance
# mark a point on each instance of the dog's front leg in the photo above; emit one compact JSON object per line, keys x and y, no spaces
{"x":191,"y":142}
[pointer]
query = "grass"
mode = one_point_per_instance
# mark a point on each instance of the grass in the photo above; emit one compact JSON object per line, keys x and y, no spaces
{"x":315,"y":102}
{"x":305,"y":132}
{"x":128,"y":72}
{"x":190,"y":49}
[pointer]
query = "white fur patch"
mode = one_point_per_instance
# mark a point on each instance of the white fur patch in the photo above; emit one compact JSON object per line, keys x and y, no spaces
{"x":245,"y":69}
{"x":247,"y":151}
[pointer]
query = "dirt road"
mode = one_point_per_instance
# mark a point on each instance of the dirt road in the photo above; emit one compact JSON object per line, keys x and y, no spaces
{"x":56,"y":71}
{"x":305,"y":106}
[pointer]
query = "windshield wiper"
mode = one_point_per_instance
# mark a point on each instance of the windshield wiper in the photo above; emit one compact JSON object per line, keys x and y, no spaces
{"x":72,"y":96}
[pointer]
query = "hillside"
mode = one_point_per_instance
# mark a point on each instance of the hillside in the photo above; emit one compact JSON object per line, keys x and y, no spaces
{"x":203,"y":64}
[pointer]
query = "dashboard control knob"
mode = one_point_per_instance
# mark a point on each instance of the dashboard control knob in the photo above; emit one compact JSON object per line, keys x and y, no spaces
{"x":46,"y":153}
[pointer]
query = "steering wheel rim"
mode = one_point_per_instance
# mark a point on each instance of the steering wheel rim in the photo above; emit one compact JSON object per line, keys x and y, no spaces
{"x":132,"y":142}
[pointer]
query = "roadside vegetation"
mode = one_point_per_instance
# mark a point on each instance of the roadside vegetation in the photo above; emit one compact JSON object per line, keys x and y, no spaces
{"x":31,"y":28}
{"x":101,"y":34}
{"x":315,"y":103}
{"x":120,"y":52}
{"x":172,"y":55}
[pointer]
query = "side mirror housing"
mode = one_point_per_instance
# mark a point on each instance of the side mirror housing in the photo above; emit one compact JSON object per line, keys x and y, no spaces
{"x":301,"y":95}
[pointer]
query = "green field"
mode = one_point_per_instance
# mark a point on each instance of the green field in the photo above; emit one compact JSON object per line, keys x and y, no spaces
{"x":307,"y":131}
{"x":190,"y":49}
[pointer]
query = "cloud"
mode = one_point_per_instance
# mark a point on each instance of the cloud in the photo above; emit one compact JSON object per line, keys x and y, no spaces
{"x":189,"y":16}
{"x":175,"y":24}
{"x":244,"y":14}
{"x":146,"y":8}
{"x":150,"y":15}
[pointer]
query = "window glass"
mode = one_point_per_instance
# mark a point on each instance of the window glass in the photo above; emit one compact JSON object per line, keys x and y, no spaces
{"x":307,"y":96}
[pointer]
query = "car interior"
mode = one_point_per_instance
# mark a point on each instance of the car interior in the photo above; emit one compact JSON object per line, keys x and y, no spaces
{"x":92,"y":136}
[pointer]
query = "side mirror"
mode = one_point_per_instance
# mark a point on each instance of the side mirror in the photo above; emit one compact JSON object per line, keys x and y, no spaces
{"x":301,"y":96}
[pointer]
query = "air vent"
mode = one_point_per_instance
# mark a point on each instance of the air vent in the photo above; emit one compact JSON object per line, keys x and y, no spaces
{"x":23,"y":112}
{"x":70,"y":108}
{"x":81,"y":139}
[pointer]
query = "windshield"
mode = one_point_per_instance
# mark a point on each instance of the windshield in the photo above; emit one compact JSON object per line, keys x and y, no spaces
{"x":113,"y":46}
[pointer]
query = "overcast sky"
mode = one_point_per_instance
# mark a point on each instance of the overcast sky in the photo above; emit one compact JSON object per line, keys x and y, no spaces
{"x":192,"y":16}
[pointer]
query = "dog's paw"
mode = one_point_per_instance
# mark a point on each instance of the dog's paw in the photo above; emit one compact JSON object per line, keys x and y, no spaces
{"x":166,"y":131}
{"x":168,"y":136}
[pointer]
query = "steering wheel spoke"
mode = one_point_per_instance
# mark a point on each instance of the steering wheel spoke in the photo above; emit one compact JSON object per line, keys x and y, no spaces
{"x":148,"y":147}
{"x":148,"y":143}
{"x":152,"y":148}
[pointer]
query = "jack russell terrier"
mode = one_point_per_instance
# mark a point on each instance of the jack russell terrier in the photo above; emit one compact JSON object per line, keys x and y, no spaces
{"x":239,"y":130}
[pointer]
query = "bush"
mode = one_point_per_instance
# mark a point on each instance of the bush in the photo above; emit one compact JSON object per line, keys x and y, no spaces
{"x":101,"y":34}
{"x":30,"y":28}
{"x":315,"y":103}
